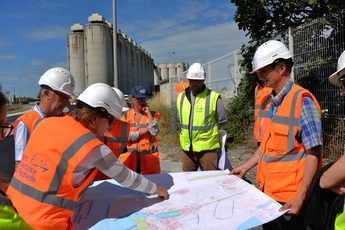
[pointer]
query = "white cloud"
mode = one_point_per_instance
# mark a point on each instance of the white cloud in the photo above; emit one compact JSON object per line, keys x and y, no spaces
{"x":206,"y":44}
{"x":37,"y":63}
{"x":47,"y":33}
{"x":7,"y":57}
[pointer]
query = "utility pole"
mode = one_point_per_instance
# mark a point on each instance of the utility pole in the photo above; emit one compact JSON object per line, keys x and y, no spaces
{"x":20,"y":101}
{"x":116,"y":78}
{"x":173,"y":53}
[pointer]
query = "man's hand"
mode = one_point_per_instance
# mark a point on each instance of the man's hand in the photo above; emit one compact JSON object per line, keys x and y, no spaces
{"x":239,"y":171}
{"x":295,"y":206}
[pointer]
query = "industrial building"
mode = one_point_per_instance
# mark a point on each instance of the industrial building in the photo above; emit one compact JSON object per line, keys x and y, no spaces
{"x":90,"y":57}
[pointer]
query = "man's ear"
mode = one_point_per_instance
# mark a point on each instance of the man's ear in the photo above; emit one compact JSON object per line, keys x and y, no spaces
{"x":282,"y":67}
{"x":46,"y":93}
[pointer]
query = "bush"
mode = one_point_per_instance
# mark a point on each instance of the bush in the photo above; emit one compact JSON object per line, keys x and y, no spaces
{"x":157,"y":103}
{"x":240,"y":118}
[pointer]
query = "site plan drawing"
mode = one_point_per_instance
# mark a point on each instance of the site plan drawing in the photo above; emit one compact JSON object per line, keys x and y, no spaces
{"x":197,"y":200}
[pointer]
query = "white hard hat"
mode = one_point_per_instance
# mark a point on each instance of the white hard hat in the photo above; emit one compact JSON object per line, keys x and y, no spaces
{"x":268,"y":52}
{"x":100,"y":95}
{"x":58,"y":79}
{"x":196,"y":72}
{"x":334,"y":78}
{"x":122,"y":99}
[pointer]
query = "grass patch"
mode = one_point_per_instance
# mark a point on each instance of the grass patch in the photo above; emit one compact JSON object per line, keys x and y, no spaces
{"x":157,"y":103}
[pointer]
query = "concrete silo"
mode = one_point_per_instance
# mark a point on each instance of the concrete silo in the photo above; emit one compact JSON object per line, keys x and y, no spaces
{"x":95,"y":64}
{"x":171,"y":69}
{"x":162,"y":67}
{"x":75,"y":52}
{"x":98,"y":51}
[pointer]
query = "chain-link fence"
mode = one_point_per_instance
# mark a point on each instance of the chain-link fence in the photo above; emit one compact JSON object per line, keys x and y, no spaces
{"x":222,"y":75}
{"x":316,"y":48}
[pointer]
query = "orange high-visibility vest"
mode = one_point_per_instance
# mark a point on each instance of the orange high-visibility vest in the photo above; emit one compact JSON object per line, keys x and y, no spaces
{"x":41,"y":188}
{"x":261,"y":111}
{"x":28,"y":120}
{"x":282,"y":156}
{"x":116,"y":141}
{"x":181,"y":87}
{"x":145,"y":148}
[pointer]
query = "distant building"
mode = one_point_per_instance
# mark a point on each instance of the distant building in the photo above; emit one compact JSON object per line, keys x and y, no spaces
{"x":90,"y":57}
{"x":164,"y":71}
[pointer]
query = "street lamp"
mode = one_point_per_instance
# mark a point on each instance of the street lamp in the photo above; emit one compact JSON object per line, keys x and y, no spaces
{"x":20,"y":101}
{"x":173,"y":53}
{"x":14,"y":94}
{"x":116,"y":77}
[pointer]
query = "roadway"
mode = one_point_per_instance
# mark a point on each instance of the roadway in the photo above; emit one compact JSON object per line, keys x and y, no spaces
{"x":7,"y":149}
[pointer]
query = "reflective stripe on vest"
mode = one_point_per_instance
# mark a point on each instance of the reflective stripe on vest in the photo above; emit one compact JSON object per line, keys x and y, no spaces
{"x":291,"y":122}
{"x":50,"y":197}
{"x":204,"y":125}
{"x":28,"y":120}
{"x":152,"y":149}
{"x":263,"y":114}
{"x":121,"y":139}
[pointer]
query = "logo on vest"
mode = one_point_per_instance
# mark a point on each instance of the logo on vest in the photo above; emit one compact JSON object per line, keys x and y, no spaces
{"x":198,"y":109}
{"x":29,"y":168}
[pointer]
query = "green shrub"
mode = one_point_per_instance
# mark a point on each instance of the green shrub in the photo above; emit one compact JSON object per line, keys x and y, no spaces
{"x":240,"y":118}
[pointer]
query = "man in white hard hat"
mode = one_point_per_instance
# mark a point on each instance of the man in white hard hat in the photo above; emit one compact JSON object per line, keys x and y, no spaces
{"x":201,"y":113}
{"x":57,"y":88}
{"x":291,"y":150}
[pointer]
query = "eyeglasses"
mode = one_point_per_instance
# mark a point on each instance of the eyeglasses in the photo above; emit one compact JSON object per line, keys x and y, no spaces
{"x":141,"y":100}
{"x":110,"y":120}
{"x":63,"y":97}
{"x":6,"y":129}
{"x":342,"y":81}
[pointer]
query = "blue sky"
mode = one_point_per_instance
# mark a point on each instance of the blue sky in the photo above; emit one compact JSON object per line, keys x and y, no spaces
{"x":33,"y":37}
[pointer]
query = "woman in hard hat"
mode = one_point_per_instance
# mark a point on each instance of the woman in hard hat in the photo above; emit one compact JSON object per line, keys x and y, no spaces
{"x":116,"y":137}
{"x":62,"y":158}
{"x":9,"y":218}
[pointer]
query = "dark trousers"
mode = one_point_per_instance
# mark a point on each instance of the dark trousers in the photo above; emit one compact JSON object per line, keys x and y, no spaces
{"x":286,"y":222}
{"x":207,"y":160}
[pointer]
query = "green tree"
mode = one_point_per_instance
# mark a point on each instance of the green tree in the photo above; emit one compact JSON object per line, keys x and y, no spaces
{"x":264,"y":20}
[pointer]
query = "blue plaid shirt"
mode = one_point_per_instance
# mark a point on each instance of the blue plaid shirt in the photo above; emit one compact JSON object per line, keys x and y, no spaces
{"x":310,"y":121}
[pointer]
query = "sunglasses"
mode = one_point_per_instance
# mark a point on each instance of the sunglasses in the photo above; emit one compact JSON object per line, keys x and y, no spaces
{"x":110,"y":120}
{"x":342,"y":81}
{"x":141,"y":100}
{"x":62,"y":96}
{"x":6,"y":129}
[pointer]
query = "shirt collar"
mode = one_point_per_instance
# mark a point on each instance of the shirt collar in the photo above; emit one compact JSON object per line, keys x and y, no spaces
{"x":277,"y":99}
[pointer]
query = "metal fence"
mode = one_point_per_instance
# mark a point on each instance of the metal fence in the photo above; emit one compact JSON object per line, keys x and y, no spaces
{"x":316,"y":48}
{"x":222,"y":75}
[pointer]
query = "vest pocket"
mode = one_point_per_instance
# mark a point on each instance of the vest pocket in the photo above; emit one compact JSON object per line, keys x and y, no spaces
{"x":282,"y":177}
{"x":280,"y":139}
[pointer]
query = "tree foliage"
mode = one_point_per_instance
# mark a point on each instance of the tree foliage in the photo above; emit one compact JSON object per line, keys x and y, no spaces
{"x":240,"y":116}
{"x":266,"y":19}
